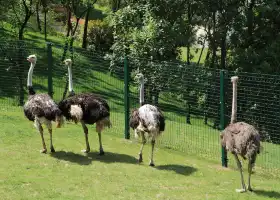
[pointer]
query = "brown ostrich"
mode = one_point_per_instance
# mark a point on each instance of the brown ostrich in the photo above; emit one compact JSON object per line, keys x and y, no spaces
{"x":241,"y":139}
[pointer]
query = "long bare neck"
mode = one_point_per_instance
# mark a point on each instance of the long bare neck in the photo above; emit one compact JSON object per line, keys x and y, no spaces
{"x":70,"y":79}
{"x":141,"y":92}
{"x":234,"y":102}
{"x":30,"y":73}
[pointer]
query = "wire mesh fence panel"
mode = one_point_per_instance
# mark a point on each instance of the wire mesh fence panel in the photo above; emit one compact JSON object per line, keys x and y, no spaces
{"x":14,"y":68}
{"x":189,"y":99}
{"x":258,"y":105}
{"x":90,"y":74}
{"x":188,"y":95}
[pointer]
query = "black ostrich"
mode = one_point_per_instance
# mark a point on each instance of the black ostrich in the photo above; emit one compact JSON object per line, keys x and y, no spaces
{"x":40,"y":108}
{"x":85,"y":108}
{"x":241,"y":139}
{"x":146,"y":119}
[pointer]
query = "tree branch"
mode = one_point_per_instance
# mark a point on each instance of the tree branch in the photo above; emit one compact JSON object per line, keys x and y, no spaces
{"x":18,"y":19}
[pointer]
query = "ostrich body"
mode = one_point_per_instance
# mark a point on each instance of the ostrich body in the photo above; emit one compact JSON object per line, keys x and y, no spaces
{"x":241,"y":139}
{"x":146,"y":119}
{"x":40,"y":108}
{"x":85,"y":108}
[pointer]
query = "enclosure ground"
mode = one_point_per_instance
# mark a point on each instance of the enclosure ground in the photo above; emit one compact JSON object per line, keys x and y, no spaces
{"x":70,"y":174}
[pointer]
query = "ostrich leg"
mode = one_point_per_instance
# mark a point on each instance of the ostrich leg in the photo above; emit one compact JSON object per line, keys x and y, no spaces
{"x":49,"y":126}
{"x":142,"y":146}
{"x":152,"y":154}
{"x":51,"y":143}
{"x":40,"y":129}
{"x":241,"y":174}
{"x":250,"y":167}
{"x":86,"y":137}
{"x":99,"y":128}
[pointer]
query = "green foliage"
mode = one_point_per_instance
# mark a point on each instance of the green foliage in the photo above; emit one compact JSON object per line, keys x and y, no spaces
{"x":149,"y":33}
{"x":100,"y":35}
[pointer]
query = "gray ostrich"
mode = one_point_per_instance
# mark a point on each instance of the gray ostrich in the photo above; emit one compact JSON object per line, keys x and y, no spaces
{"x":40,"y":108}
{"x":146,"y":119}
{"x":241,"y":139}
{"x":85,"y":108}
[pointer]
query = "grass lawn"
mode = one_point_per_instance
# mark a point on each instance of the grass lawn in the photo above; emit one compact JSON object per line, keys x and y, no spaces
{"x":195,"y":52}
{"x":70,"y":174}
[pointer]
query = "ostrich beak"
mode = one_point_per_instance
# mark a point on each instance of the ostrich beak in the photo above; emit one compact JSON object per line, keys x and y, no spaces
{"x":28,"y":59}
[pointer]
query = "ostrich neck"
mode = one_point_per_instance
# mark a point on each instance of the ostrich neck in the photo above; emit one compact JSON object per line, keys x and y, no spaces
{"x":70,"y":78}
{"x":141,"y":92}
{"x":234,"y":103}
{"x":30,"y":73}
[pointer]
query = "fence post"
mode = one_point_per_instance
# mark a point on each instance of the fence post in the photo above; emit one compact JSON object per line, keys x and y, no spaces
{"x":126,"y":98}
{"x":222,"y":114}
{"x":50,"y":66}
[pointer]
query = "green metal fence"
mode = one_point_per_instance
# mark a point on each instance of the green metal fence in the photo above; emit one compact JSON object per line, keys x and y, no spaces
{"x":196,"y":101}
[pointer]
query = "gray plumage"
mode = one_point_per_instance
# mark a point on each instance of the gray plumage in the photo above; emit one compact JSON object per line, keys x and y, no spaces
{"x":40,"y":108}
{"x":147,"y":120}
{"x":242,"y":139}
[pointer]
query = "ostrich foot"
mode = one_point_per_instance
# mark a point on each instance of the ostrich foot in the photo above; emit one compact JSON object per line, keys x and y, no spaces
{"x":152,"y":164}
{"x":52,"y":149}
{"x":250,"y":189}
{"x":240,"y":190}
{"x":101,"y":152}
{"x":85,"y":150}
{"x":43,"y":151}
{"x":140,"y":159}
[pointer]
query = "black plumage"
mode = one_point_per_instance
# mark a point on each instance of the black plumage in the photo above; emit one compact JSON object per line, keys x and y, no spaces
{"x":94,"y":107}
{"x":86,"y":108}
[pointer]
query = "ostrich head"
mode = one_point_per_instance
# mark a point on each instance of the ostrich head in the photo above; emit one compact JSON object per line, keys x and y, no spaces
{"x":234,"y":79}
{"x":68,"y":62}
{"x":32,"y":59}
{"x":139,"y":77}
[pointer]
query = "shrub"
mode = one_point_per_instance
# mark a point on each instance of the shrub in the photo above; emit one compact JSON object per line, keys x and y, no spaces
{"x":100,"y":35}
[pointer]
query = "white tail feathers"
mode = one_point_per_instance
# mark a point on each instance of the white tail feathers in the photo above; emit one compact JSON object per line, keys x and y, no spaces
{"x":76,"y":112}
{"x":234,"y":79}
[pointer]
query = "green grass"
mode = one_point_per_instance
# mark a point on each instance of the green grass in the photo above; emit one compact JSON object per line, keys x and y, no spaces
{"x":69,"y":174}
{"x":195,"y":52}
{"x":123,"y":178}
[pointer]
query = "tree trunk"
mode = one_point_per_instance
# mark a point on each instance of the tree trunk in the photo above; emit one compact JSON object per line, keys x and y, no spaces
{"x":189,"y":32}
{"x":223,"y":50}
{"x":201,"y":52}
{"x":38,"y":17}
{"x":213,"y":42}
{"x":45,"y":24}
{"x":250,"y":21}
{"x":84,"y":45}
{"x":188,"y":116}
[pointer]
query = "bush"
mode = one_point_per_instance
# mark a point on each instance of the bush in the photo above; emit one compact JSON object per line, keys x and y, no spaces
{"x":100,"y":35}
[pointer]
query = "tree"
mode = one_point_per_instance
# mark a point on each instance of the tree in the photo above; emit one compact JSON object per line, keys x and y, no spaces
{"x":89,"y":7}
{"x":149,"y":33}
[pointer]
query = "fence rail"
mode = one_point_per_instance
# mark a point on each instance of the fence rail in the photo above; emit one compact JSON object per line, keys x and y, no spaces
{"x":196,"y":101}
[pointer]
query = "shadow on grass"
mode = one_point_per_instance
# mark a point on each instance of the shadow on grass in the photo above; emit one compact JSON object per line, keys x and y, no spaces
{"x":179,"y":169}
{"x":271,"y":194}
{"x":86,"y":159}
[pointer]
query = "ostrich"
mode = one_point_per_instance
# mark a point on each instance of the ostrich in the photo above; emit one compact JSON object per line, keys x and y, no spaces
{"x":241,"y":139}
{"x":40,"y":108}
{"x":85,"y":108}
{"x":146,"y":119}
